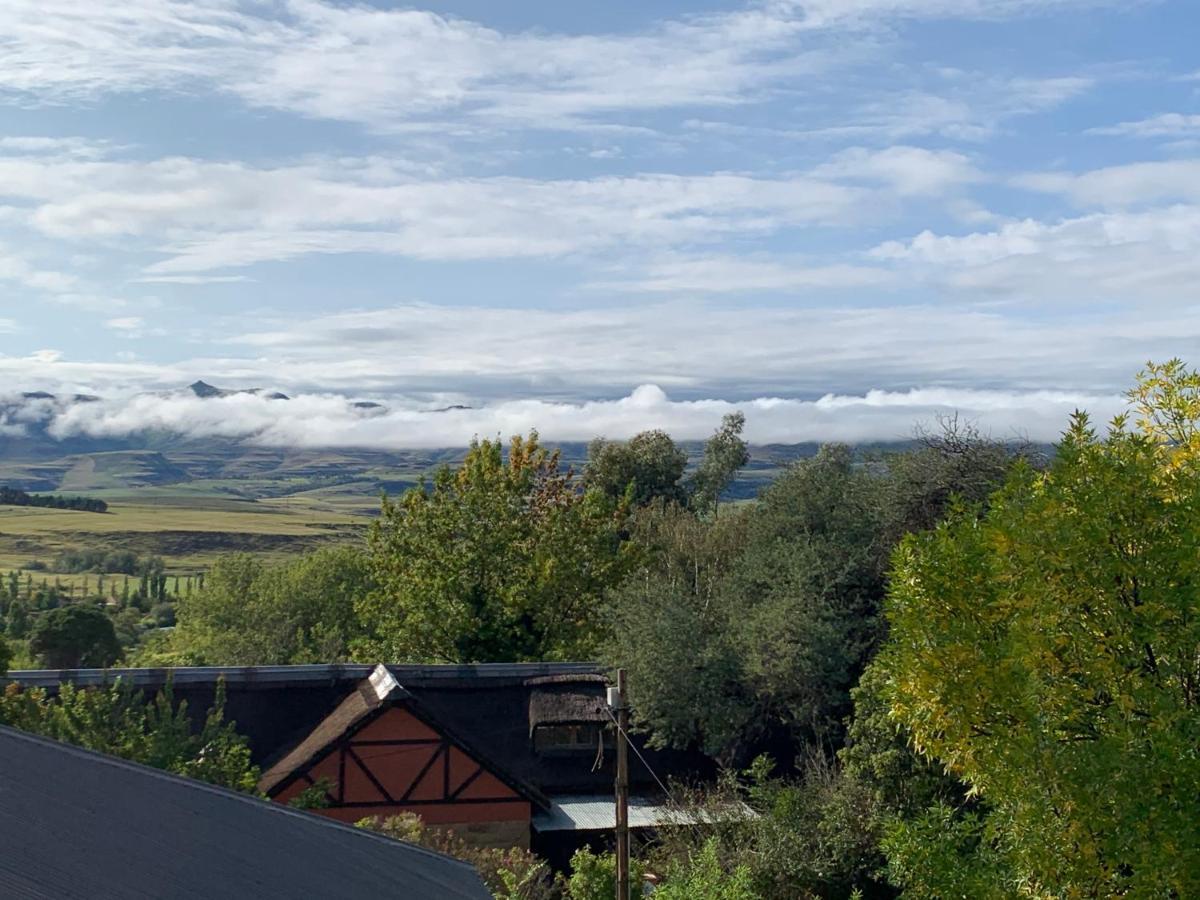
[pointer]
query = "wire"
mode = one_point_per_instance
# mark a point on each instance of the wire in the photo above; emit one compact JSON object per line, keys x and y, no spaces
{"x":632,"y":746}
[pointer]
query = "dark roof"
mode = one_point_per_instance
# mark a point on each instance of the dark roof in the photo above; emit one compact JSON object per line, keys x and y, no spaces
{"x":485,"y":706}
{"x":566,"y":704}
{"x":367,"y":696}
{"x":372,"y":695}
{"x":78,"y":824}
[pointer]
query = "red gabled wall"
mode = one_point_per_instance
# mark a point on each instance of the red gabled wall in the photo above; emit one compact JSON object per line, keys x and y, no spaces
{"x":397,"y":763}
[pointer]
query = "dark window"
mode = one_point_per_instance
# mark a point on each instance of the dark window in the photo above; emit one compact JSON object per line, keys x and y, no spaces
{"x":586,"y":736}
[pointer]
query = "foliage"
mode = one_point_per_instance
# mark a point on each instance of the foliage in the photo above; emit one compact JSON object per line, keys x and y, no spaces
{"x":955,"y":461}
{"x":594,"y":876}
{"x":315,"y":796}
{"x":756,"y":626}
{"x":1047,"y":654}
{"x":749,"y":623}
{"x":119,"y":721}
{"x":13,"y":497}
{"x":502,"y":560}
{"x":251,"y":613}
{"x":124,"y":562}
{"x":647,"y":467}
{"x":73,"y":636}
{"x":946,"y":852}
{"x":702,"y":877}
{"x":725,"y":453}
{"x":811,"y":834}
{"x":512,"y":874}
{"x":676,"y":634}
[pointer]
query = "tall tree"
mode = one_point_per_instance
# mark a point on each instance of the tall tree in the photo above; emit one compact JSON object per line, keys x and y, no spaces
{"x":647,"y":467}
{"x":73,"y":636}
{"x":252,"y":613}
{"x":501,"y":559}
{"x":1048,"y":654}
{"x":725,"y":453}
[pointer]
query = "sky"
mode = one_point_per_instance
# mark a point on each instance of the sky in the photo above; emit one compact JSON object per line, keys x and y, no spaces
{"x":842,"y":216}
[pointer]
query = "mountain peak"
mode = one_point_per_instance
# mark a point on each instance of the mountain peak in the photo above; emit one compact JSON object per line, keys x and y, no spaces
{"x":204,"y":389}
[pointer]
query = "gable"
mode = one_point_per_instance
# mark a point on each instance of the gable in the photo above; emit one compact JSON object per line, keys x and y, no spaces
{"x":399,"y":760}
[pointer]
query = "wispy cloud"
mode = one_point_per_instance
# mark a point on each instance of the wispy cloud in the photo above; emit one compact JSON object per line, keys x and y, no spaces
{"x":391,"y":67}
{"x":1166,"y":125}
{"x":1153,"y":254}
{"x":1132,"y":184}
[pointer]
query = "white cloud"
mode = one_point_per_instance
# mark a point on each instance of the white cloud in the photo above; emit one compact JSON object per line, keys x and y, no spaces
{"x":909,"y":171}
{"x":208,"y":215}
{"x":1134,"y":184}
{"x":717,"y":274}
{"x":1127,"y":256}
{"x":1170,"y":125}
{"x":827,"y":13}
{"x":322,"y":420}
{"x":390,"y":67}
{"x":16,"y":268}
{"x":191,"y":279}
{"x":126,"y":323}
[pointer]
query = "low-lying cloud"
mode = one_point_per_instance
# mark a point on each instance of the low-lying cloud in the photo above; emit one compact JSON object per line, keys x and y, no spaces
{"x":329,"y":420}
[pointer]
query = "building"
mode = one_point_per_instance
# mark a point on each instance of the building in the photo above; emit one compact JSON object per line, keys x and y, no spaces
{"x":75,"y":824}
{"x":504,"y":754}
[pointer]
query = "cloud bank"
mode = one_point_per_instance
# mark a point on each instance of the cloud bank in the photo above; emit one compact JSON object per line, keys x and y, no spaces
{"x":330,"y":421}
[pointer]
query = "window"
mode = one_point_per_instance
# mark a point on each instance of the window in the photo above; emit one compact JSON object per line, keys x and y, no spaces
{"x":584,"y":736}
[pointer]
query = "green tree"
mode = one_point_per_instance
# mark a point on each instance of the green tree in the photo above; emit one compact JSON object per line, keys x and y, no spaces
{"x":649,"y":466}
{"x":118,"y":720}
{"x":71,"y":637}
{"x":676,"y":631}
{"x":502,"y":559}
{"x":1047,"y":655}
{"x":725,"y":453}
{"x":252,"y":613}
{"x":703,"y":877}
{"x":734,"y":630}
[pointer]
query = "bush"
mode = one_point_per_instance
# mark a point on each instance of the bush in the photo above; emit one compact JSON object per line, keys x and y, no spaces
{"x":512,"y":874}
{"x":75,"y":636}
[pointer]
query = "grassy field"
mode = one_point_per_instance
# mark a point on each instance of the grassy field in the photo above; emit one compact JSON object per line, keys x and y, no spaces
{"x":190,"y":505}
{"x":188,"y":528}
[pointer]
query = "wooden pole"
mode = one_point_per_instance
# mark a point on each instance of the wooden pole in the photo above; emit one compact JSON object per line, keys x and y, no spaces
{"x":622,"y":790}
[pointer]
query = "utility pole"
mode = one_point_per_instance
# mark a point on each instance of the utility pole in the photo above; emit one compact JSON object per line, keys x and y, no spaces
{"x":622,"y":708}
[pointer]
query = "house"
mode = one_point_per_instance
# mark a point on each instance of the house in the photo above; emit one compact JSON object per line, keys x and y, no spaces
{"x":516,"y":754}
{"x":75,"y":824}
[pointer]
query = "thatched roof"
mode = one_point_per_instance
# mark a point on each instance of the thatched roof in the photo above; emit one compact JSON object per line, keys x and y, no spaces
{"x":567,"y":704}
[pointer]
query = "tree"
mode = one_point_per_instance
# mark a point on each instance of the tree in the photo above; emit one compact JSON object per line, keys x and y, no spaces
{"x":703,"y":876}
{"x":252,"y":613}
{"x":649,"y":466}
{"x":1046,"y":653}
{"x":725,"y":454}
{"x":501,"y":560}
{"x":71,"y":637}
{"x":117,"y":720}
{"x":734,"y":630}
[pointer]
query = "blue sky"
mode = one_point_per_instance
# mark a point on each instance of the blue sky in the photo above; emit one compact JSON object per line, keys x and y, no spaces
{"x":557,"y":202}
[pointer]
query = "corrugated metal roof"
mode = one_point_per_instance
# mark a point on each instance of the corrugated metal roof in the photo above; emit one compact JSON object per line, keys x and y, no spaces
{"x":579,"y":813}
{"x":76,"y":825}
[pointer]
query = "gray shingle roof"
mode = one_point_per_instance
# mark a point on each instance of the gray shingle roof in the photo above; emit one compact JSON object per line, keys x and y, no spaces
{"x":76,"y":824}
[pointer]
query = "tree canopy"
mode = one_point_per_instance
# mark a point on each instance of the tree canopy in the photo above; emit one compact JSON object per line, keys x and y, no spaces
{"x":76,"y":636}
{"x":252,"y":613}
{"x":1047,"y":654}
{"x":649,"y":466}
{"x":502,"y":559}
